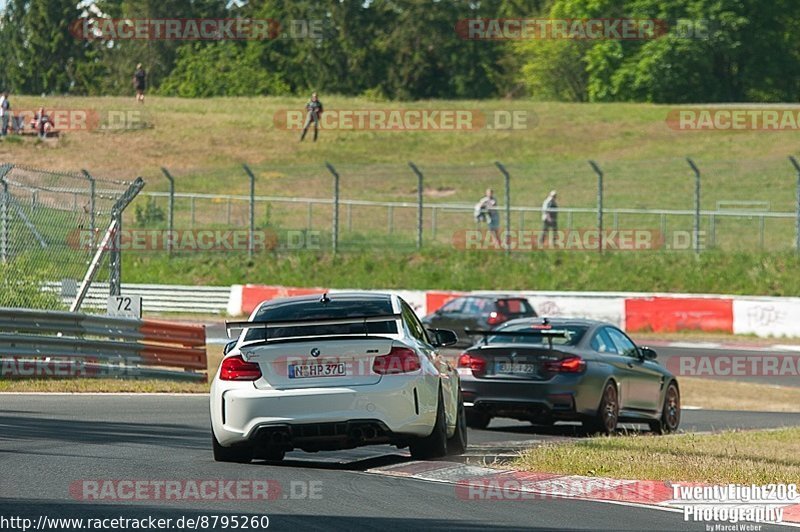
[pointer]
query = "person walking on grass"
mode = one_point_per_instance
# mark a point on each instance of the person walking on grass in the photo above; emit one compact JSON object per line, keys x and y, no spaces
{"x":549,"y":218}
{"x":140,"y":82}
{"x":313,"y":112}
{"x":486,"y":210}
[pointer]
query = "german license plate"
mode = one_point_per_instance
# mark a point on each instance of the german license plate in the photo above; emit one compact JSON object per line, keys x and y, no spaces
{"x":305,"y":371}
{"x":515,"y":368}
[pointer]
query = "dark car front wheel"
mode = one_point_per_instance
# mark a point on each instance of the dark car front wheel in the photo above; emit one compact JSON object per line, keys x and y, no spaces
{"x":671,"y":412}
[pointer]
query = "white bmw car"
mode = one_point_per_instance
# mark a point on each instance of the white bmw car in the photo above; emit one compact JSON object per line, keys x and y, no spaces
{"x":335,"y":372}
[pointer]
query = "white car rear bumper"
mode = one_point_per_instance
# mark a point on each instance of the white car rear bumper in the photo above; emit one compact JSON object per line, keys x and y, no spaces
{"x":405,"y":404}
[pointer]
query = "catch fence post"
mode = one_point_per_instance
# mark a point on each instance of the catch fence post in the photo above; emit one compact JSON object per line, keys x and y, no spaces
{"x":599,"y":172}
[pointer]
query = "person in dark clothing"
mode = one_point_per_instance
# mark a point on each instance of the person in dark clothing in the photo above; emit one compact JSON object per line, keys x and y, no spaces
{"x":313,"y":112}
{"x":139,"y":82}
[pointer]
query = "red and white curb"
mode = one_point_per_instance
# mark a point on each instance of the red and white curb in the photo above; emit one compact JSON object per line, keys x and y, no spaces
{"x":483,"y":484}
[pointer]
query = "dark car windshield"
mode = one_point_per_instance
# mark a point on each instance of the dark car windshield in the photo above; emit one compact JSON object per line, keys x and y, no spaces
{"x":573,"y":336}
{"x":315,"y":310}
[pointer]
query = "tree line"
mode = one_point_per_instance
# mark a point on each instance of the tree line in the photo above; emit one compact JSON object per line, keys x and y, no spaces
{"x":748,"y":50}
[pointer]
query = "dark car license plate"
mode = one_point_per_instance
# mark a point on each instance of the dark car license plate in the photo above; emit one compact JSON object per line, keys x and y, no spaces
{"x":515,"y":368}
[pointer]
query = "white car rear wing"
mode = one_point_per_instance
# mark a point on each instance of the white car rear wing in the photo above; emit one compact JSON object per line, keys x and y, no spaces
{"x":275,"y":324}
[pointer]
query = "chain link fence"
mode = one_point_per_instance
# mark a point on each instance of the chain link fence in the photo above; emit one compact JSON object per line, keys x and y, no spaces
{"x":51,"y":225}
{"x":743,"y":205}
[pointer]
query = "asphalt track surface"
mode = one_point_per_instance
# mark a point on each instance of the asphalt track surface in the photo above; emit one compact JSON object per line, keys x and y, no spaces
{"x":51,"y":442}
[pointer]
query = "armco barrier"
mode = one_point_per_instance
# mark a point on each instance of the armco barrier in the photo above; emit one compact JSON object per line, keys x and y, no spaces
{"x":187,"y":299}
{"x":34,"y":343}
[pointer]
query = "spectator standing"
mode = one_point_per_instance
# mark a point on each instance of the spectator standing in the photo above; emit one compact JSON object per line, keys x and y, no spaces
{"x":486,"y":210}
{"x":549,"y":217}
{"x":313,"y":112}
{"x":5,"y":113}
{"x":140,"y":82}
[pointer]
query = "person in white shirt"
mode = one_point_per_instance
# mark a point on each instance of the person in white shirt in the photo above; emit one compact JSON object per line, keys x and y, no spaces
{"x":549,"y":217}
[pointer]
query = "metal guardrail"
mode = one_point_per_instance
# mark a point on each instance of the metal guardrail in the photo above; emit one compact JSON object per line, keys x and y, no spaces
{"x":187,"y":299}
{"x":41,"y":343}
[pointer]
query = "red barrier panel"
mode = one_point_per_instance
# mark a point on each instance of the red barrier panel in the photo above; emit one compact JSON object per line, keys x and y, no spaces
{"x":667,"y":314}
{"x":179,"y":357}
{"x":173,"y":344}
{"x":164,"y":331}
{"x":254,"y":295}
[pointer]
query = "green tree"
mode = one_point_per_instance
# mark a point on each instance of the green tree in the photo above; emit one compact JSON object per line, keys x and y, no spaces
{"x":221,"y":69}
{"x":40,"y":53}
{"x":735,"y":50}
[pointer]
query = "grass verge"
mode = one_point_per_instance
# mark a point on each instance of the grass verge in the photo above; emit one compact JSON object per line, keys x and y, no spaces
{"x":743,"y":457}
{"x":442,"y":268}
{"x":732,"y":395}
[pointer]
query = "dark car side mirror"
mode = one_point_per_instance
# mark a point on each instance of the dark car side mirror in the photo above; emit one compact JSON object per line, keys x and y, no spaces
{"x":648,"y":353}
{"x":228,"y":347}
{"x":443,"y":337}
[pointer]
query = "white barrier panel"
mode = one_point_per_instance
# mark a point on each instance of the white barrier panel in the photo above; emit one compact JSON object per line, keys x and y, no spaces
{"x":596,"y":307}
{"x":766,"y":317}
{"x":235,"y":301}
{"x":611,"y":310}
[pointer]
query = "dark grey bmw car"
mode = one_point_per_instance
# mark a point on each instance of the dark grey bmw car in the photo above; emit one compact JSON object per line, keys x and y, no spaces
{"x":545,"y":370}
